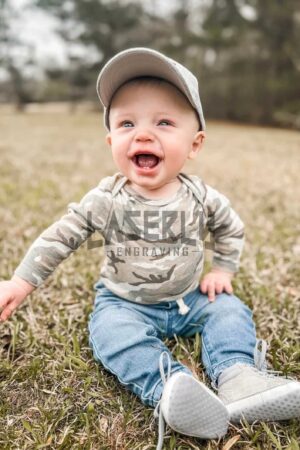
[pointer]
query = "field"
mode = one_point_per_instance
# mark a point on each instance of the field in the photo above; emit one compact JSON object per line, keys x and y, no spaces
{"x":53,"y":394}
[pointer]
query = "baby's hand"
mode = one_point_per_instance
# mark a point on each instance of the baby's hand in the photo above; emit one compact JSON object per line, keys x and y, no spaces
{"x":12,"y":294}
{"x":216,"y":281}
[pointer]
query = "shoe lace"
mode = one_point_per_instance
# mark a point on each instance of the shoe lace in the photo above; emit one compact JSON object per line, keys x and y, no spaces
{"x":260,"y":360}
{"x":165,"y":375}
{"x":260,"y":365}
{"x":260,"y":351}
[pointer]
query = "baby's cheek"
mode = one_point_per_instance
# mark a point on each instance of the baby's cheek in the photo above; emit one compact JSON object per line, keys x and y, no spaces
{"x":119,"y":154}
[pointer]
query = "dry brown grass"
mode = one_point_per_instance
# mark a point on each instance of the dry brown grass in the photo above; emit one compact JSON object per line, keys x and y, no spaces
{"x":53,"y":395}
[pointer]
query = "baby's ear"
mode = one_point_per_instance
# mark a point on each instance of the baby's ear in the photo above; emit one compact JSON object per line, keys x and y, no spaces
{"x":197,"y":144}
{"x":108,"y":139}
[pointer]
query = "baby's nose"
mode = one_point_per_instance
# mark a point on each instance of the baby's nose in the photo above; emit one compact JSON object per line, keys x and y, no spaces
{"x":144,"y":136}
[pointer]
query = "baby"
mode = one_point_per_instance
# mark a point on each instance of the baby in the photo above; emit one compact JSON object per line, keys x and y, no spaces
{"x":154,"y":220}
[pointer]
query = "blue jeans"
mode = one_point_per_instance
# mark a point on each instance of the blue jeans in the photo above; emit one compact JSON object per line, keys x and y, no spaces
{"x":126,"y":337}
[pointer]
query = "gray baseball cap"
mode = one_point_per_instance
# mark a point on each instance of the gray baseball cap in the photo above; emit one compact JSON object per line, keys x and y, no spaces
{"x":139,"y":62}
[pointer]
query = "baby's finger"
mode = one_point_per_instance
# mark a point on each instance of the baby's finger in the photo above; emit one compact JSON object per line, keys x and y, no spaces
{"x":7,"y":311}
{"x":228,"y":288}
{"x":219,"y":288}
{"x":5,"y":314}
{"x":203,"y":286}
{"x":4,"y":300}
{"x":211,"y":292}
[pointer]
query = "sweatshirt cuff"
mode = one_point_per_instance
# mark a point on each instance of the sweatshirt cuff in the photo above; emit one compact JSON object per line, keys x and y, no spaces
{"x":27,"y":274}
{"x":226,"y":265}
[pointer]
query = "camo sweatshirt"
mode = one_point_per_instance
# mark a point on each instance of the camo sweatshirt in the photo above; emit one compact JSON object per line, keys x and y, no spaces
{"x":154,"y":249}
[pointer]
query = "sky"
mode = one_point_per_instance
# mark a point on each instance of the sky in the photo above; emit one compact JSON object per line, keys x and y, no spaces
{"x":37,"y":29}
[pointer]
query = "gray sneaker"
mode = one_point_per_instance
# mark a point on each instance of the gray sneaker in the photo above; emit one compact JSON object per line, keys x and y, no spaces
{"x":190,"y":408}
{"x":257,"y":395}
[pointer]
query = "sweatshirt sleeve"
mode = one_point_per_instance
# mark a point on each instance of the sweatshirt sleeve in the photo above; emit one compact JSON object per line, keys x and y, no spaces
{"x":227,"y":230}
{"x":63,"y":237}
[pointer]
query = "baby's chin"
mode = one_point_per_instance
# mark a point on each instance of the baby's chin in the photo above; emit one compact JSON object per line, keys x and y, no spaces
{"x":160,"y":189}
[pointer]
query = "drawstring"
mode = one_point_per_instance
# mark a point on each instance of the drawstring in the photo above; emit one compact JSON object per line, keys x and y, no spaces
{"x":183,"y":308}
{"x":157,"y":411}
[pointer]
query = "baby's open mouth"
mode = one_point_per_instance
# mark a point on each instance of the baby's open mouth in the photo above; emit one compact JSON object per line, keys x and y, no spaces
{"x":148,"y":160}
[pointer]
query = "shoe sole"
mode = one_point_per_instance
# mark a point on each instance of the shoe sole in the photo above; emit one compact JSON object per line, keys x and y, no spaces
{"x":190,"y":408}
{"x":281,"y":403}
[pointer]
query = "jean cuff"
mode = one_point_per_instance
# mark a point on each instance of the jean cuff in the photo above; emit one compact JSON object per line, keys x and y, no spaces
{"x":217,"y":370}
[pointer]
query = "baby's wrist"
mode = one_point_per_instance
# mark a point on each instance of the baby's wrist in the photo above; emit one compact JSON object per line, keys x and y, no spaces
{"x":222,"y":271}
{"x":26,"y":287}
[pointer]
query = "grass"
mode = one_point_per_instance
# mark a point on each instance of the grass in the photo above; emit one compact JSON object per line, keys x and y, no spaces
{"x":53,"y":394}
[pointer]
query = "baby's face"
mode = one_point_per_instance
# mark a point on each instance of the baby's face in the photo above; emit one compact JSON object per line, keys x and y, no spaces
{"x":153,"y":131}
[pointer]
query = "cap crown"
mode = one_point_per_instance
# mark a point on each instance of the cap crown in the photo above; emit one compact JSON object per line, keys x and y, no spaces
{"x":138,"y":62}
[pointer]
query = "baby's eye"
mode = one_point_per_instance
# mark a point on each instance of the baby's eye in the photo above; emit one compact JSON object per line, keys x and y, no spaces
{"x":127,"y":124}
{"x":164,"y":122}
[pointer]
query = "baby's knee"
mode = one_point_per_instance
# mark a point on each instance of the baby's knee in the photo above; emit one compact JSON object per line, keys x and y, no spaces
{"x":226,"y":304}
{"x":119,"y":324}
{"x":106,"y":332}
{"x":105,"y":323}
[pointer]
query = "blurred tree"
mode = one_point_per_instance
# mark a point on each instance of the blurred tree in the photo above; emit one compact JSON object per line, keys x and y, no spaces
{"x":254,"y":74}
{"x":15,"y":58}
{"x":95,"y":30}
{"x":245,"y":52}
{"x":278,"y":58}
